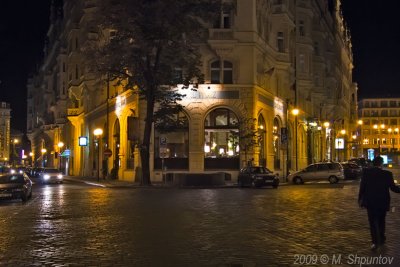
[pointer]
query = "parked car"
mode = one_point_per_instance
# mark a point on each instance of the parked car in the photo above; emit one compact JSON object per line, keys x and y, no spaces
{"x":257,"y":176}
{"x":51,"y":175}
{"x":15,"y":186}
{"x":351,"y":170}
{"x":362,"y":162}
{"x":323,"y":171}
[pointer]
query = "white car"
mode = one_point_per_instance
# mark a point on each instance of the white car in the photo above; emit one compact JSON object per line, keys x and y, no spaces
{"x":51,"y":175}
{"x":323,"y":171}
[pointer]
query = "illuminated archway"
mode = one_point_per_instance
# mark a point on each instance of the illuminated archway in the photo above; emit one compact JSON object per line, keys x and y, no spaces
{"x":221,"y":140}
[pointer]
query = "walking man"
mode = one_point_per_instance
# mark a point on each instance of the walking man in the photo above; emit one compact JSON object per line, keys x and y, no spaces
{"x":374,"y":195}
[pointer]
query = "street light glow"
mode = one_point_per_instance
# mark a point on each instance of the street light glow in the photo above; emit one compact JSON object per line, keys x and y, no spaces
{"x":326,"y":124}
{"x":295,"y":111}
{"x":97,"y":132}
{"x":343,"y":131}
{"x":44,"y":150}
{"x":60,"y":144}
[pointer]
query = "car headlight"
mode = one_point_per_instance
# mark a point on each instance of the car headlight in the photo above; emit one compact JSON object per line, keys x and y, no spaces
{"x":12,"y":171}
{"x":46,"y":176}
{"x":21,"y":171}
{"x":59,"y":176}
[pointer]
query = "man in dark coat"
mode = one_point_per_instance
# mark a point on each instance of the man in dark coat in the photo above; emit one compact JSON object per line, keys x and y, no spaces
{"x":374,"y":195}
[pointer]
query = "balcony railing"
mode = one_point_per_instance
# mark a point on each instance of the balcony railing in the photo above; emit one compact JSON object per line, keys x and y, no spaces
{"x":221,"y":34}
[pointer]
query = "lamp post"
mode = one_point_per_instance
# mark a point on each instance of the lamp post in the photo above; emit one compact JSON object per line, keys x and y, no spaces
{"x":31,"y":156}
{"x":295,"y":112}
{"x":13,"y":151}
{"x":343,"y":133}
{"x":43,"y":150}
{"x":328,"y":141}
{"x":97,"y":133}
{"x":60,"y":146}
{"x":361,"y":141}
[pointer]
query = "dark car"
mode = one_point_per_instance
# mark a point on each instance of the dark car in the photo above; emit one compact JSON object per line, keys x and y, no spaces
{"x":351,"y":170}
{"x":257,"y":177}
{"x":15,"y":186}
{"x":51,"y":175}
{"x":362,"y":162}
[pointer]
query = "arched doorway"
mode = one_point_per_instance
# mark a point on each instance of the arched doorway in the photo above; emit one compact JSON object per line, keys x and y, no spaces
{"x":262,"y":137}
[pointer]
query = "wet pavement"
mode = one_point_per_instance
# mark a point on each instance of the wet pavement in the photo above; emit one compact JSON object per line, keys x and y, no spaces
{"x":113,"y":223}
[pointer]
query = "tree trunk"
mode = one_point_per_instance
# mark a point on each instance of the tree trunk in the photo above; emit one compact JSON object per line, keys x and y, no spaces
{"x":145,"y":147}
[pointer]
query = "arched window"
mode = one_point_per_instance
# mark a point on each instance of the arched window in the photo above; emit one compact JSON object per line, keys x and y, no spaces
{"x":172,"y":146}
{"x":221,"y":140}
{"x":222,"y":72}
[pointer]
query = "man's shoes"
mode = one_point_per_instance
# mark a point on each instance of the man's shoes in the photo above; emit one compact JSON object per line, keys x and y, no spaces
{"x":374,"y":247}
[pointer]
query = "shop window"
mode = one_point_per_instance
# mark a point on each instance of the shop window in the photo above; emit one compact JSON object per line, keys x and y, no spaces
{"x":221,"y":140}
{"x":172,"y":147}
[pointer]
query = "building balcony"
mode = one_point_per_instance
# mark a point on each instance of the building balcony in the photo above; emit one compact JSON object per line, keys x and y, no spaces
{"x":220,"y":34}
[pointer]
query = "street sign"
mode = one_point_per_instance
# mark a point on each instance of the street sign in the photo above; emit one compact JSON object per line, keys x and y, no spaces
{"x":83,"y":141}
{"x":66,"y":153}
{"x":163,"y":141}
{"x":107,"y":152}
{"x":163,"y":152}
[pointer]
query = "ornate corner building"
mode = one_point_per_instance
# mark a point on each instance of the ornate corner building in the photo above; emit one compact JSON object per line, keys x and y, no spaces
{"x":262,"y":60}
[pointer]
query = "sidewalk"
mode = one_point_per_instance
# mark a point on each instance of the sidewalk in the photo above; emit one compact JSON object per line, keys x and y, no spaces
{"x":120,"y":183}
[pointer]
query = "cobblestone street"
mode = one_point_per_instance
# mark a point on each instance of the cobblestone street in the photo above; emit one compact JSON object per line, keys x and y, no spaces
{"x":82,"y":225}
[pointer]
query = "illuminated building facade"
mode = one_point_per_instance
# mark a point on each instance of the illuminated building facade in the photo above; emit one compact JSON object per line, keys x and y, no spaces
{"x":261,"y":61}
{"x":5,"y":116}
{"x":379,"y":130}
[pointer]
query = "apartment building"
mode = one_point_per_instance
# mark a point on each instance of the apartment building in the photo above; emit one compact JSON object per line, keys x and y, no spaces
{"x":264,"y":59}
{"x":379,"y":127}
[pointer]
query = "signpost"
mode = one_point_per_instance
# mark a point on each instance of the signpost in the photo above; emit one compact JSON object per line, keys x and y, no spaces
{"x":163,"y":153}
{"x":107,"y":153}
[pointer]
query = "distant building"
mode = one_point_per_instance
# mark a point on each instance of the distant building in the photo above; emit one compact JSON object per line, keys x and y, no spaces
{"x":379,"y":127}
{"x":5,"y":116}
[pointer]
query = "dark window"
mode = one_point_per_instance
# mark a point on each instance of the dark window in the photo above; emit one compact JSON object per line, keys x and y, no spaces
{"x":222,"y":73}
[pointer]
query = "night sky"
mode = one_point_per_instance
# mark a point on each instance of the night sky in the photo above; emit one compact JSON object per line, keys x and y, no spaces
{"x":374,"y":26}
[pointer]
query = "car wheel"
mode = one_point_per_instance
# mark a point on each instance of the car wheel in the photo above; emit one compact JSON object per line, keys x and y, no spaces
{"x":275,"y":186}
{"x":240,"y":183}
{"x":297,"y":180}
{"x":333,"y":179}
{"x":30,"y":194}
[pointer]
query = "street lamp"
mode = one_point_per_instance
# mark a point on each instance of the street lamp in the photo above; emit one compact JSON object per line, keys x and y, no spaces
{"x":60,"y":146}
{"x":328,"y":140}
{"x":13,"y":151}
{"x":98,"y":132}
{"x":44,"y":150}
{"x":31,"y":155}
{"x":295,"y":112}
